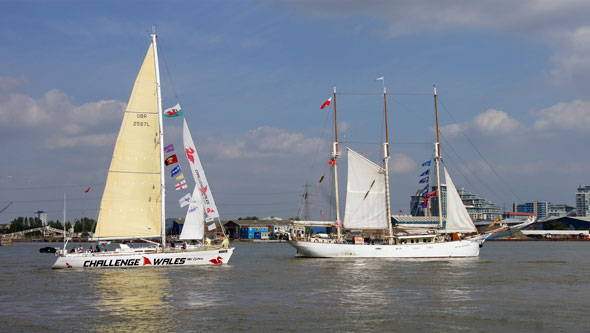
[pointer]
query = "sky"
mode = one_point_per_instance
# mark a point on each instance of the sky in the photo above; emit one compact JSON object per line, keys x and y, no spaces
{"x":512,"y":78}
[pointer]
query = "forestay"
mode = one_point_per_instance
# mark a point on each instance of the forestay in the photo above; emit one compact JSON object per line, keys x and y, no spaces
{"x":458,"y":220}
{"x":365,"y":194}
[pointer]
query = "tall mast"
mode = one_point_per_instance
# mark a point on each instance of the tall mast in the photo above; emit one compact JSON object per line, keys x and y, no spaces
{"x":335,"y":155}
{"x":162,"y":179}
{"x":65,"y":238}
{"x":386,"y":165}
{"x":437,"y":163}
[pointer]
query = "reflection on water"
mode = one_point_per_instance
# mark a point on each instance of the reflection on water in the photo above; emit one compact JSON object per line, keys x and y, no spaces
{"x":131,"y":299}
{"x":520,"y":286}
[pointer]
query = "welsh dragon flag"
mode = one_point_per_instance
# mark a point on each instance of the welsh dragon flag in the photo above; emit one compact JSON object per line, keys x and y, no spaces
{"x":103,"y":245}
{"x":174,"y":111}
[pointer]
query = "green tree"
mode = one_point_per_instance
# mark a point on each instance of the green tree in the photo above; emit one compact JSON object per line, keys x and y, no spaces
{"x":84,"y":225}
{"x":18,"y":224}
{"x":248,"y":218}
{"x":55,"y":224}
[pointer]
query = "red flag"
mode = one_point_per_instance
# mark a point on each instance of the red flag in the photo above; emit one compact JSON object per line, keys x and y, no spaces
{"x":87,"y":190}
{"x":428,"y":196}
{"x":332,"y":162}
{"x":326,"y":103}
{"x":171,"y":159}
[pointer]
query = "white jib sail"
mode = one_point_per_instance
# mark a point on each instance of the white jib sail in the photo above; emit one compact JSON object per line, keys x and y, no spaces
{"x":199,"y":174}
{"x":458,"y":220}
{"x":194,"y":222}
{"x":365,"y":194}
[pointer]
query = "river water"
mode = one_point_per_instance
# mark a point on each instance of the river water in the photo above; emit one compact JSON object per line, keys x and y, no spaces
{"x":512,"y":286}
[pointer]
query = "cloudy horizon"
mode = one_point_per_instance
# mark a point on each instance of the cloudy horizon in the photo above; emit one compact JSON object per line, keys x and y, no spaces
{"x":512,"y":78}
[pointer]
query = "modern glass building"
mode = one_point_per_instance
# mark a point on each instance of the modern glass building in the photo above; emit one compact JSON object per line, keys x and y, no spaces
{"x":583,"y":201}
{"x":538,"y":209}
{"x":478,"y":208}
{"x":559,"y":210}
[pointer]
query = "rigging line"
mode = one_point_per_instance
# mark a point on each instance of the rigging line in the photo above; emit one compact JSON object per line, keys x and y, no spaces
{"x":48,"y":187}
{"x":411,"y":143}
{"x":381,"y":94}
{"x":480,"y":154}
{"x":313,"y":165}
{"x":168,"y":72}
{"x":414,"y":112}
{"x":53,"y":200}
{"x":250,"y":194}
{"x":55,"y":211}
{"x":447,"y":144}
{"x":360,"y":142}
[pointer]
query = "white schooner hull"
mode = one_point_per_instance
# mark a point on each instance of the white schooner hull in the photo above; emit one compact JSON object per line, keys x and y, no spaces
{"x":455,"y":249}
{"x":124,"y":260}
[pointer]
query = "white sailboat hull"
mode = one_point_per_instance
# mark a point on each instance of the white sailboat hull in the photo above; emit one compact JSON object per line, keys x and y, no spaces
{"x":133,"y":260}
{"x":454,"y":249}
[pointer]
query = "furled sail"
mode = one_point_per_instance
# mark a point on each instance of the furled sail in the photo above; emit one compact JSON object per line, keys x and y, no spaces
{"x":131,"y":203}
{"x":458,"y":220}
{"x":194,"y":222}
{"x":365,"y":196}
{"x":199,"y":174}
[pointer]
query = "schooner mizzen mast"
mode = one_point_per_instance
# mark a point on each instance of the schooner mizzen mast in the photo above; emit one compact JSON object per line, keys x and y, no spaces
{"x":437,"y":164}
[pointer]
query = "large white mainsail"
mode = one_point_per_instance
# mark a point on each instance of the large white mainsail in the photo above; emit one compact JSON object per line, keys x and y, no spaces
{"x":458,"y":220}
{"x":199,"y":174}
{"x":194,"y":222}
{"x":131,"y":204}
{"x":365,"y":194}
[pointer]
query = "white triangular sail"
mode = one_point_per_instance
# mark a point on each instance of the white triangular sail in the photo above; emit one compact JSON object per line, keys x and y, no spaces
{"x":131,"y":204}
{"x":458,"y":220}
{"x":194,"y":222}
{"x":365,"y":194}
{"x":199,"y":174}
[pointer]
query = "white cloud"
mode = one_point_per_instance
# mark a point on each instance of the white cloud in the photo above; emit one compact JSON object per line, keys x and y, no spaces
{"x":564,"y":116}
{"x":401,"y":163}
{"x":563,"y":24}
{"x":571,"y":58}
{"x":451,"y":130}
{"x":55,"y":121}
{"x":490,"y":122}
{"x":264,"y":142}
{"x":495,"y":122}
{"x":89,"y":141}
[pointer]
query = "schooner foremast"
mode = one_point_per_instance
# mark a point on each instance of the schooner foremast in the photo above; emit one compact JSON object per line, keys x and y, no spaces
{"x":336,"y":154}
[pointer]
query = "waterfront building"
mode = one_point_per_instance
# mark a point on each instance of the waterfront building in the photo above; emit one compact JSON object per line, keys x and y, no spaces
{"x":516,"y":216}
{"x":479,"y":208}
{"x":538,"y":209}
{"x":558,"y":210}
{"x":41,"y":215}
{"x":259,"y":229}
{"x":583,"y":201}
